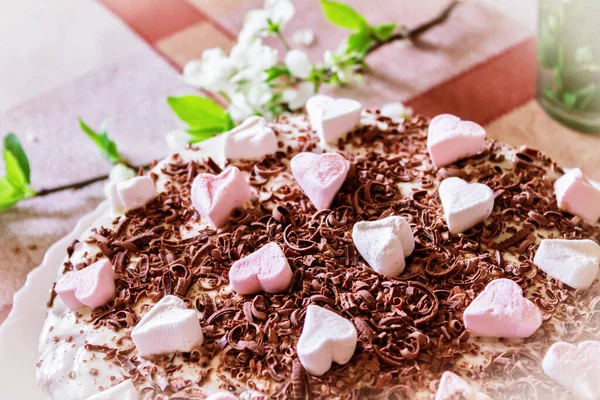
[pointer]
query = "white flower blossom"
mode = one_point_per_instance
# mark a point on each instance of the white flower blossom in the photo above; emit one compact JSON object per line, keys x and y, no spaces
{"x":211,"y":72}
{"x":251,"y":100}
{"x":251,"y":94}
{"x":120,"y":173}
{"x":396,"y":111}
{"x":280,"y":11}
{"x":328,"y":59}
{"x":251,"y":59}
{"x":298,"y":63}
{"x":304,"y":37}
{"x":256,"y":23}
{"x":297,"y":97}
{"x":239,"y":109}
{"x":238,"y":76}
{"x":346,"y":72}
{"x":178,"y":139}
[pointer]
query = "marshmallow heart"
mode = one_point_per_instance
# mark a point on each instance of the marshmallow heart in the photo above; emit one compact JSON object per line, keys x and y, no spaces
{"x":384,"y":244}
{"x":454,"y":387}
{"x":266,"y":269}
{"x":333,"y":118}
{"x":502,"y":311}
{"x":93,"y":286}
{"x":574,"y":262}
{"x":132,"y":193}
{"x":250,"y":140}
{"x":465,"y":205}
{"x":576,"y":368}
{"x":123,"y":391}
{"x":216,"y":196}
{"x":575,"y":194}
{"x":222,"y":396}
{"x":449,"y":139}
{"x":168,"y":327}
{"x":326,"y":337}
{"x":320,"y":176}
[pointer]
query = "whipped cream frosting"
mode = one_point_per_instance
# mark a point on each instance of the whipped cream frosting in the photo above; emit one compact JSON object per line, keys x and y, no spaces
{"x":81,"y":353}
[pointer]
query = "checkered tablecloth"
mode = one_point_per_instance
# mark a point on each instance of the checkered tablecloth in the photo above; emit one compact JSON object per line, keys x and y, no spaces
{"x":120,"y":59}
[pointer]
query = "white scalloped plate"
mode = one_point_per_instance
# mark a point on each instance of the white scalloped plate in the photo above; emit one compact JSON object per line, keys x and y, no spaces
{"x":19,"y":334}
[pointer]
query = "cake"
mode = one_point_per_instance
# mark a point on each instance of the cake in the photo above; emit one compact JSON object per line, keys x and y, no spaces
{"x":327,"y":259}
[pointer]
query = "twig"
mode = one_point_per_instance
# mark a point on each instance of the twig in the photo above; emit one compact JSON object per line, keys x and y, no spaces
{"x":80,"y":184}
{"x":415,"y":32}
{"x":284,"y":42}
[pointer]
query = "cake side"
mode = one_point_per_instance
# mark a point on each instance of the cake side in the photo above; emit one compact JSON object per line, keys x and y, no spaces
{"x":410,"y":328}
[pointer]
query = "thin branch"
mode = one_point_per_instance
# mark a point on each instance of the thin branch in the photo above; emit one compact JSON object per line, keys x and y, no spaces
{"x":284,"y":42}
{"x":80,"y":184}
{"x":415,"y":32}
{"x":410,"y":34}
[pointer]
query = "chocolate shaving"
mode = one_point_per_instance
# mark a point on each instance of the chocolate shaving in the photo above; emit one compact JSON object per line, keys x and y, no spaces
{"x":513,"y":240}
{"x":409,"y":327}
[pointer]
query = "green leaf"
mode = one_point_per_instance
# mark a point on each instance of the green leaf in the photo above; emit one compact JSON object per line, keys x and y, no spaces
{"x":15,"y":186}
{"x":229,"y":124}
{"x":107,"y":147}
{"x":9,"y":195}
{"x":359,"y":42}
{"x":384,"y":31}
{"x":12,"y":145}
{"x":343,"y":15}
{"x":275,"y":72}
{"x":580,"y":98}
{"x":199,"y":135}
{"x":14,"y":173}
{"x":586,"y":95}
{"x":549,"y":93}
{"x":204,"y":116}
{"x":569,"y":99}
{"x":272,"y":26}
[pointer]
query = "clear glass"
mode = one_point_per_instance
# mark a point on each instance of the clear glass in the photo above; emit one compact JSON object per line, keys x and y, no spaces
{"x":568,"y":53}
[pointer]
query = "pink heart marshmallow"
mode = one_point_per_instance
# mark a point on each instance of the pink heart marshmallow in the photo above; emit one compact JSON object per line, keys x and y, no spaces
{"x":454,"y":387}
{"x":333,"y":118}
{"x":326,"y":338}
{"x":93,"y":286}
{"x":216,"y":196}
{"x":450,"y":139}
{"x":266,"y":269}
{"x":170,"y":326}
{"x":576,"y":368}
{"x":502,"y":311}
{"x":576,"y":194}
{"x":320,"y":176}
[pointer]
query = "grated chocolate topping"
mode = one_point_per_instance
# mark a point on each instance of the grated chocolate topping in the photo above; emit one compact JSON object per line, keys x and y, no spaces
{"x":410,"y":327}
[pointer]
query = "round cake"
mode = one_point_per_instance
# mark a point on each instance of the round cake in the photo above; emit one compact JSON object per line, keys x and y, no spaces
{"x":336,"y":255}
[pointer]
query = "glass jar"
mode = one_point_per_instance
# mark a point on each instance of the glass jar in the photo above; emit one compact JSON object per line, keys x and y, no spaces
{"x":568,"y":54}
